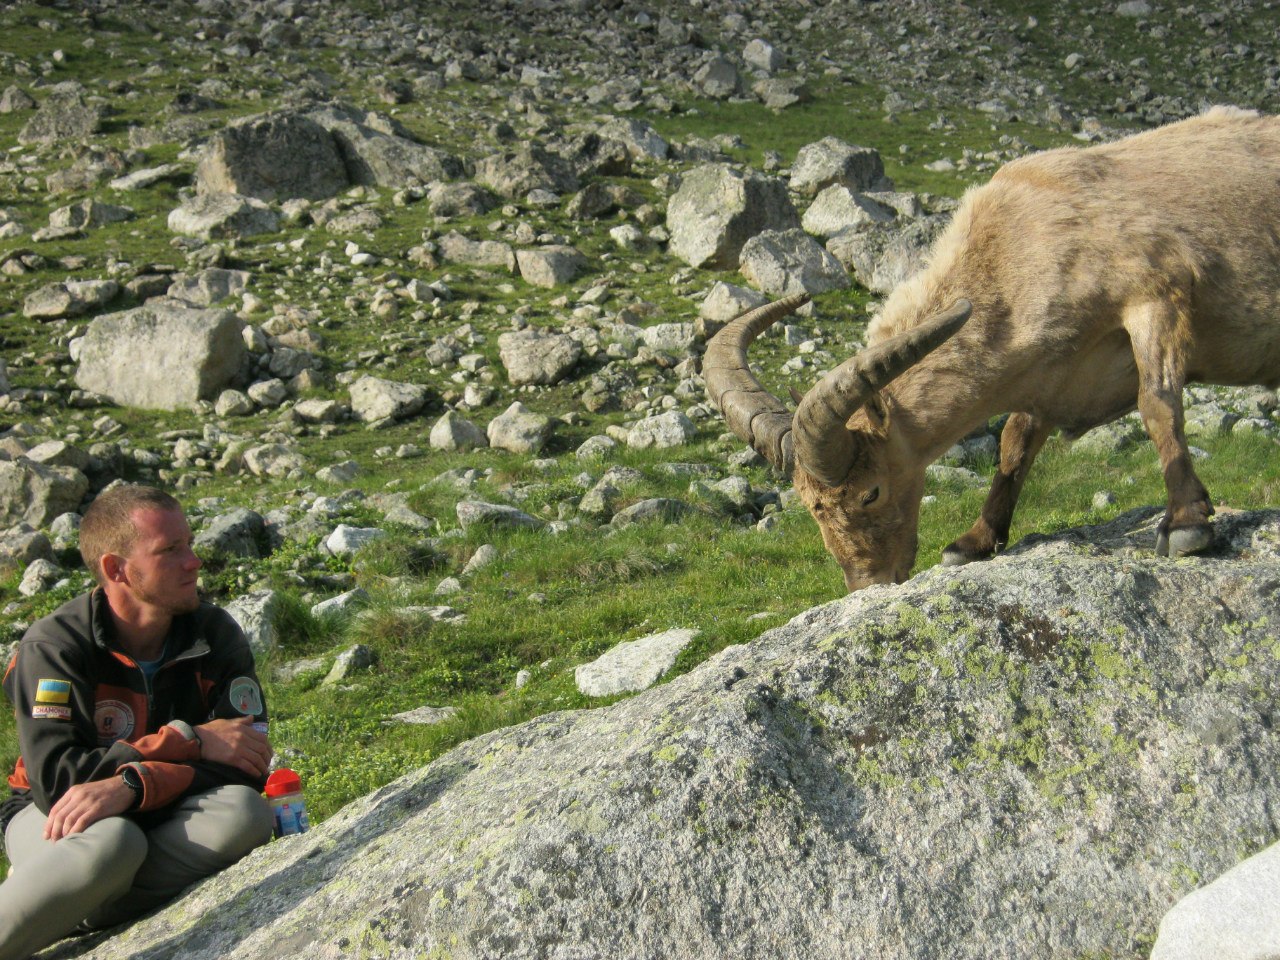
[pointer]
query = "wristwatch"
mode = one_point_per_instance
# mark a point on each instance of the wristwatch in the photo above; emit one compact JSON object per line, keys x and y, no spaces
{"x":133,"y":780}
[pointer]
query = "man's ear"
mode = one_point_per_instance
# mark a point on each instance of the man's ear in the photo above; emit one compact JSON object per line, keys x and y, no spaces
{"x":113,"y":567}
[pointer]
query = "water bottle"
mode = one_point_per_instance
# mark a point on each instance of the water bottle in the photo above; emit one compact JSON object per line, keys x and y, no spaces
{"x":284,"y":793}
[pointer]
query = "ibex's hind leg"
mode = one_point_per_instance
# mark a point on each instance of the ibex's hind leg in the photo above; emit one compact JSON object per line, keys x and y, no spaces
{"x":1160,"y":336}
{"x":1021,"y":440}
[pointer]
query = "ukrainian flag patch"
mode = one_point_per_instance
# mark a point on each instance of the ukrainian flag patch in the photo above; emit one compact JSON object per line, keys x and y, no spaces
{"x":53,"y":691}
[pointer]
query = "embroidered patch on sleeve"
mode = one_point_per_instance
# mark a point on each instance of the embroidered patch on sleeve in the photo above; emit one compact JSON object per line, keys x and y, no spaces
{"x":53,"y":691}
{"x":48,"y":711}
{"x":245,"y":696}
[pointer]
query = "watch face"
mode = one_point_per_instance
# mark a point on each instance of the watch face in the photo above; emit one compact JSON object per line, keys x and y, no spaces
{"x":131,"y":779}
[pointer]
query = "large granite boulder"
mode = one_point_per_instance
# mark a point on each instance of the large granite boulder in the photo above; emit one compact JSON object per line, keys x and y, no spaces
{"x":378,"y":150}
{"x":783,"y":262}
{"x":66,"y":114}
{"x":538,"y":356}
{"x":223,"y":216}
{"x":1031,"y":757}
{"x":718,"y":208}
{"x":160,"y":356}
{"x":273,"y":157}
{"x":832,"y":161}
{"x":35,"y":493}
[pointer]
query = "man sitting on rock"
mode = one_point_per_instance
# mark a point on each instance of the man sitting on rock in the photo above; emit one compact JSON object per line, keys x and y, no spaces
{"x":142,"y":730}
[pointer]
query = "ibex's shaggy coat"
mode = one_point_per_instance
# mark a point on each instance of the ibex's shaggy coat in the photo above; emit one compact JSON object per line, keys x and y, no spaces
{"x":1094,"y":280}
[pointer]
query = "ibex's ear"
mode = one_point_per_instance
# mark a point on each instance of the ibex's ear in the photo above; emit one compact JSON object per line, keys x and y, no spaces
{"x":796,"y":395}
{"x":877,"y":410}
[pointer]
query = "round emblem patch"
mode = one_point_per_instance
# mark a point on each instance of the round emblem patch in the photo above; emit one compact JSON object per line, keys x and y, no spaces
{"x":114,"y":721}
{"x":245,"y":696}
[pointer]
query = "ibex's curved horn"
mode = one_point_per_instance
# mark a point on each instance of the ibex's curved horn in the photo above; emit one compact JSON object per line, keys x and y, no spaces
{"x":751,"y":411}
{"x":823,"y":445}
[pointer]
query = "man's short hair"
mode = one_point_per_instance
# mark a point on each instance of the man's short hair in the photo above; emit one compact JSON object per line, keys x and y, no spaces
{"x":108,"y":527}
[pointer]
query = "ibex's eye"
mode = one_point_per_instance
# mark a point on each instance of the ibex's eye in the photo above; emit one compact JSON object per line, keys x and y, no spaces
{"x":871,"y":496}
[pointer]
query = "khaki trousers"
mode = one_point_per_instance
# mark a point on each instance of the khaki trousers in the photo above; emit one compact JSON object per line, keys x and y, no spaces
{"x":115,"y":870}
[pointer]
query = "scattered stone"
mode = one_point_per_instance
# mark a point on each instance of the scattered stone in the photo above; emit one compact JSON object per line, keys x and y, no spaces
{"x":374,"y":400}
{"x":538,"y":356}
{"x":662,"y":431}
{"x":519,"y":430}
{"x":455,"y":432}
{"x":473,"y":513}
{"x":256,"y":613}
{"x":832,"y":161}
{"x":347,"y":540}
{"x":550,"y":266}
{"x":633,"y":665}
{"x":70,"y":298}
{"x":161,"y":357}
{"x":223,"y":216}
{"x":718,"y":208}
{"x":351,"y":661}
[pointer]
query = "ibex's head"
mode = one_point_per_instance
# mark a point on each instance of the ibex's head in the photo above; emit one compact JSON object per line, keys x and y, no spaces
{"x":848,"y":464}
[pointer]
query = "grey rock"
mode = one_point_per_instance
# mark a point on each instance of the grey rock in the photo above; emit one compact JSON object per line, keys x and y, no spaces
{"x":550,"y":266}
{"x":456,"y":248}
{"x":881,"y":256}
{"x":529,"y":168}
{"x":59,"y":453}
{"x":459,"y":200}
{"x":275,"y":156}
{"x":70,"y":298}
{"x":208,"y":287}
{"x":520,"y":430}
{"x":275,"y":460}
{"x":223,"y":216}
{"x":762,"y":55}
{"x":161,"y":357}
{"x":485,"y":555}
{"x":473,"y":513}
{"x":87,"y":214}
{"x":659,"y":509}
{"x":596,"y":448}
{"x":319,"y":410}
{"x":718,"y":208}
{"x":641,"y":139}
{"x":239,"y":533}
{"x":149,"y":176}
{"x":14,"y":99}
{"x":233,"y":403}
{"x":341,"y":473}
{"x":538,"y":356}
{"x":662,"y":431}
{"x":718,"y":78}
{"x":838,"y":208}
{"x":425,"y":716}
{"x":256,"y":614}
{"x":1110,"y":437}
{"x":21,"y":545}
{"x":64,"y":115}
{"x":39,"y":576}
{"x":35,"y":493}
{"x":342,"y":603}
{"x":453,"y":431}
{"x":831,"y":161}
{"x":374,"y":399}
{"x":633,"y":665}
{"x":268,"y":393}
{"x":1071,"y":712}
{"x":783,"y":262}
{"x":378,"y":150}
{"x":351,"y":661}
{"x":347,"y":540}
{"x":672,"y":338}
{"x":778,"y":93}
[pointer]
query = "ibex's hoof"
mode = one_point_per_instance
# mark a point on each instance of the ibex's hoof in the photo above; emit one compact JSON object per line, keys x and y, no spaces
{"x":955,"y":556}
{"x":1188,"y":540}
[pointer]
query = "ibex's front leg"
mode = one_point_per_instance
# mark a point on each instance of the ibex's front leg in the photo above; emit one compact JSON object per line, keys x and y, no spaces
{"x":1021,"y":440}
{"x":1160,"y":335}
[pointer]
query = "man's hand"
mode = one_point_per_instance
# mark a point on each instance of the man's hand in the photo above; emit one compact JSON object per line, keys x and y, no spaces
{"x":236,"y":744}
{"x":85,"y":804}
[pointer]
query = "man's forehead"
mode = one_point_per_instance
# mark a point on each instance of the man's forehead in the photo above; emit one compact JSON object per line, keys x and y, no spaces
{"x":160,"y":523}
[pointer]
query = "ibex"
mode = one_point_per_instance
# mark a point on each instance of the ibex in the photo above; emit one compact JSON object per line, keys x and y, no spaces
{"x":1075,"y":285}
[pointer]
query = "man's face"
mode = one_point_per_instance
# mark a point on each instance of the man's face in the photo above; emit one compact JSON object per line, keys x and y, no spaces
{"x":162,"y":569}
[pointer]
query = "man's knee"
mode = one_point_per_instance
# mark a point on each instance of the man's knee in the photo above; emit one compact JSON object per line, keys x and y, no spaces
{"x":238,"y":820}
